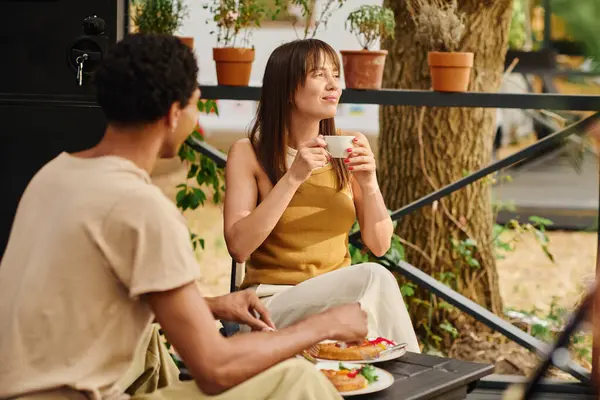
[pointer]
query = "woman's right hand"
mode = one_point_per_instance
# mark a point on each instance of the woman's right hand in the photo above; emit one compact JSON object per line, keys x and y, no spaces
{"x":311,"y":155}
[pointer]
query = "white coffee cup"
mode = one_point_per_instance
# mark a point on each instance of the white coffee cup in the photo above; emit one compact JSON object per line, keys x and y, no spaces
{"x":338,"y":146}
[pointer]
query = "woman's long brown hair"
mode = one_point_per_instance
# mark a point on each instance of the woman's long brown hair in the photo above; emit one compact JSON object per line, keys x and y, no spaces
{"x":286,"y":70}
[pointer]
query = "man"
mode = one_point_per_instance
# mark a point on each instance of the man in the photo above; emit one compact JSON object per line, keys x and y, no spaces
{"x":97,"y":252}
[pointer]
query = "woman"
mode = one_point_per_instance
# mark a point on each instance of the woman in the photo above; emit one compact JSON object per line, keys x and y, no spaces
{"x":289,"y":206}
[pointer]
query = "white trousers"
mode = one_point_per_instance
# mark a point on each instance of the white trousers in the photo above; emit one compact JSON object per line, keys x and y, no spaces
{"x":369,"y":284}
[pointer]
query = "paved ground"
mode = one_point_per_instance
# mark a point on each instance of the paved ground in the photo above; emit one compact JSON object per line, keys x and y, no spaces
{"x":553,"y":188}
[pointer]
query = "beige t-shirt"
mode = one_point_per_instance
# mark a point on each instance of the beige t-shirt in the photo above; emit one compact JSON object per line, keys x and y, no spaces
{"x":89,"y":237}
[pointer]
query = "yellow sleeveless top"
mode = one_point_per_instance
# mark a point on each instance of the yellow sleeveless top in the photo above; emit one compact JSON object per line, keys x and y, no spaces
{"x":311,"y":237}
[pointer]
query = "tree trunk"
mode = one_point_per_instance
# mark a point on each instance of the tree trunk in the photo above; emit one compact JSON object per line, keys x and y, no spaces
{"x":451,"y":142}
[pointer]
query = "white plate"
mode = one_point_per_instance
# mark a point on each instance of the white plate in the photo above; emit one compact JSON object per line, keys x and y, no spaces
{"x":387,"y":357}
{"x":384,"y":381}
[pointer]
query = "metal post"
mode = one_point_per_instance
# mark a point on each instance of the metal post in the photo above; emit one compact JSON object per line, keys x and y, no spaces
{"x":547,"y":25}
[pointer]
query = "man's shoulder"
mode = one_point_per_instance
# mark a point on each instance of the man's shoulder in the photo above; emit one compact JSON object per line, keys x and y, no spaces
{"x":144,"y":202}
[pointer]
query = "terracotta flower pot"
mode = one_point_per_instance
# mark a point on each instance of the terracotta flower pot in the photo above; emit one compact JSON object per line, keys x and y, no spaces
{"x":450,"y":72}
{"x":363,"y":69}
{"x":187,"y":40}
{"x":234,"y":65}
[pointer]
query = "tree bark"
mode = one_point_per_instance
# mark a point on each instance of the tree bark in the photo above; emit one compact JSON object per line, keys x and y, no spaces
{"x":424,"y":149}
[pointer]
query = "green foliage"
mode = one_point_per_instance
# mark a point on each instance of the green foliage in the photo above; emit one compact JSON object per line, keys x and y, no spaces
{"x":362,"y":255}
{"x":581,"y":22}
{"x":517,"y":33}
{"x":312,"y":21}
{"x":536,"y":226}
{"x":546,"y":327}
{"x":466,"y":249}
{"x":202,"y":173}
{"x":371,"y":22}
{"x":235,"y":19}
{"x":159,"y":16}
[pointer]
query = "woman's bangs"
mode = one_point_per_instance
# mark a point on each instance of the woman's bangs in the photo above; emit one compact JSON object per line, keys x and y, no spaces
{"x":317,"y":56}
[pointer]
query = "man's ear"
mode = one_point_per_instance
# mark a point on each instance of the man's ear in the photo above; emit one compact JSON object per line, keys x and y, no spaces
{"x":173,"y":116}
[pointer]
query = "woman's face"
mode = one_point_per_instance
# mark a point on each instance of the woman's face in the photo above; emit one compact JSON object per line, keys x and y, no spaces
{"x":319,"y":96}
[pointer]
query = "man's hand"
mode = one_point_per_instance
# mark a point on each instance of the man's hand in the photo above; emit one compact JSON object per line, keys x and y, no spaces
{"x":348,"y":322}
{"x":240,"y":307}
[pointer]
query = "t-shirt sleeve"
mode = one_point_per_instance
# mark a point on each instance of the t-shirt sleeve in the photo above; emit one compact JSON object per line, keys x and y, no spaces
{"x":147,"y":243}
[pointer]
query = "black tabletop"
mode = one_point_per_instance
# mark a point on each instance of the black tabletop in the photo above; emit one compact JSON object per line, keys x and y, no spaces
{"x":420,"y":377}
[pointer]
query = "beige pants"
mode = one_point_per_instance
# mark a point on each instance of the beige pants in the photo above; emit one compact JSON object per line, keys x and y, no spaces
{"x":294,"y":379}
{"x":154,"y":376}
{"x":370,"y":284}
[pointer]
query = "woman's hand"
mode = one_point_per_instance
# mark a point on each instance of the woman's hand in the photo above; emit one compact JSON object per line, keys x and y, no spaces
{"x":361,"y":162}
{"x":311,"y":155}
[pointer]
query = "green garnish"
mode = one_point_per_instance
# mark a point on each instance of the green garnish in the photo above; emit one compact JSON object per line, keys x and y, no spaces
{"x":369,"y":372}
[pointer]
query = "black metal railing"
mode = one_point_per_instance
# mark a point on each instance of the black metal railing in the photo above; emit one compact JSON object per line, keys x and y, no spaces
{"x":423,"y":98}
{"x":428,"y":98}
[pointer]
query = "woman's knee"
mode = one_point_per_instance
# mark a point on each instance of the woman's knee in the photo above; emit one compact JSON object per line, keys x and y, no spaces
{"x":376,"y":272}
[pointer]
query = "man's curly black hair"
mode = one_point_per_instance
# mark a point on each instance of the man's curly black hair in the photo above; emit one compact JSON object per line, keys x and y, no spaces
{"x":142,"y":76}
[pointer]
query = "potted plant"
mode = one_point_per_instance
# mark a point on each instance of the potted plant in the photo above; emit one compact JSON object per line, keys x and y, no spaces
{"x":363,"y":69}
{"x":441,"y":27}
{"x":312,"y":19}
{"x":160,"y":16}
{"x":234,"y":54}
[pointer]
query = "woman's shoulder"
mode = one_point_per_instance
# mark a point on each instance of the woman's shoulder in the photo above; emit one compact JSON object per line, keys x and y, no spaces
{"x":242,"y":153}
{"x":242,"y":148}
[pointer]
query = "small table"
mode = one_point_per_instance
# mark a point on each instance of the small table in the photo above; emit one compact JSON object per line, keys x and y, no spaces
{"x":425,"y":377}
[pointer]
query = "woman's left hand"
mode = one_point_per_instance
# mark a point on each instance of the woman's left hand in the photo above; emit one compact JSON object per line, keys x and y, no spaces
{"x":361,"y":162}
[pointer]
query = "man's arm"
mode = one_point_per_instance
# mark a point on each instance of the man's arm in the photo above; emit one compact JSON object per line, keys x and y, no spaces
{"x":218,"y":364}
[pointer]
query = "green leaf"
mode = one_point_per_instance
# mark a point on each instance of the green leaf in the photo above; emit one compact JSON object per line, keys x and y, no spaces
{"x":192,"y":200}
{"x":436,"y":338}
{"x":540,"y":331}
{"x":407,"y":290}
{"x":448,"y":327}
{"x":341,"y":367}
{"x":217,"y":197}
{"x":540,"y":221}
{"x":199,"y":196}
{"x":180,"y":197}
{"x":193,"y":171}
{"x":369,"y":372}
{"x":445,"y":306}
{"x":201,"y":178}
{"x":474,"y":263}
{"x":419,"y":301}
{"x":470,"y":242}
